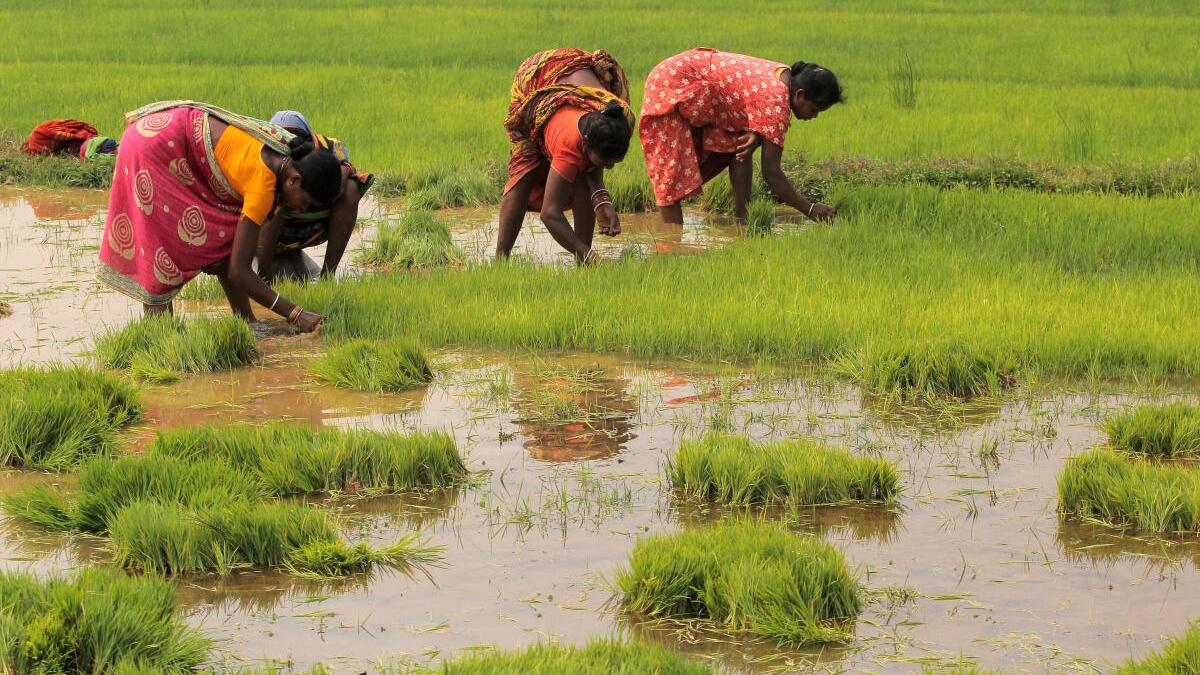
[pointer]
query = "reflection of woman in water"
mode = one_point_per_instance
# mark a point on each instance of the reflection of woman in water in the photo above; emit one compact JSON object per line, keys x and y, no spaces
{"x":573,"y":414}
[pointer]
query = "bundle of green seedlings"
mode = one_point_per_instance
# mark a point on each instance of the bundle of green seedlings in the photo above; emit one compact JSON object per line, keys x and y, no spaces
{"x":1180,"y":656}
{"x":163,"y":348}
{"x":374,"y":365}
{"x":1157,"y":431}
{"x":599,"y":655}
{"x":417,"y":240}
{"x":958,"y":372}
{"x":54,"y":418}
{"x":205,"y":499}
{"x":743,"y":576}
{"x":734,"y":470}
{"x":97,"y":621}
{"x":1122,"y":490}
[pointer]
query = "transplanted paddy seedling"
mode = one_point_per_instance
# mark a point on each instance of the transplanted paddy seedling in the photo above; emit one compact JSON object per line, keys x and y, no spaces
{"x":202,"y":500}
{"x":1120,"y":490}
{"x":54,"y":418}
{"x":734,"y":470}
{"x":1179,"y":656}
{"x":601,"y":655}
{"x":1157,"y":431}
{"x":374,"y":365}
{"x":928,"y":371}
{"x":743,"y":576}
{"x":418,"y":240}
{"x":98,"y":621}
{"x":163,"y":348}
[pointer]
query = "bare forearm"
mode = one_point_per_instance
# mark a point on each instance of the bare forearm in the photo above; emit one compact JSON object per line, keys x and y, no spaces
{"x":563,"y":233}
{"x":783,"y":189}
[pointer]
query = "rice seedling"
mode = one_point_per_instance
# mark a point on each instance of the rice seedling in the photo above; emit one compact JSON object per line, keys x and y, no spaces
{"x":932,"y":373}
{"x":54,"y":418}
{"x":1157,"y":431}
{"x":1117,"y":490}
{"x":203,"y":288}
{"x":734,"y":470}
{"x":913,"y":271}
{"x":1079,"y":135}
{"x":599,"y":655}
{"x":162,"y":348}
{"x":333,"y":559}
{"x":902,"y":81}
{"x":743,"y":576}
{"x":286,"y":459}
{"x":96,"y":621}
{"x":1179,"y":656}
{"x":417,"y":240}
{"x":761,"y":219}
{"x":374,"y":365}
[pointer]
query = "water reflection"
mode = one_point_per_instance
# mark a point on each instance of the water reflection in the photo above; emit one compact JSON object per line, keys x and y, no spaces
{"x":570,"y":413}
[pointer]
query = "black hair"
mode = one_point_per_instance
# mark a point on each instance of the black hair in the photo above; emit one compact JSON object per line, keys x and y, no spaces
{"x":320,"y":171}
{"x":608,"y":132}
{"x":820,"y":85}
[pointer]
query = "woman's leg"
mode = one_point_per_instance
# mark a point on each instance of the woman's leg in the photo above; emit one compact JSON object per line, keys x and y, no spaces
{"x":672,"y":214}
{"x":512,"y":214}
{"x":239,"y":301}
{"x":158,"y":310}
{"x":741,"y":174}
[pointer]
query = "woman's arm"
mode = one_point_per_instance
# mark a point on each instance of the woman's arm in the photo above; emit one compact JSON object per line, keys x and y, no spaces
{"x":267,"y":239}
{"x":772,"y":158}
{"x":610,"y":223}
{"x":558,"y":190}
{"x":342,"y":219}
{"x":242,"y":276}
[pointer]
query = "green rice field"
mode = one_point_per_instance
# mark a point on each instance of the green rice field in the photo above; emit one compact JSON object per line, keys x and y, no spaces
{"x":954,"y":430}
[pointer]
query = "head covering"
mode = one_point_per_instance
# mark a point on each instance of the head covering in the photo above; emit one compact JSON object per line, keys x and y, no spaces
{"x":290,"y":119}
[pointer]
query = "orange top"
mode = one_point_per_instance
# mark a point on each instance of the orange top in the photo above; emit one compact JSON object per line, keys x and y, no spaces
{"x":564,"y":143}
{"x":240,"y":157}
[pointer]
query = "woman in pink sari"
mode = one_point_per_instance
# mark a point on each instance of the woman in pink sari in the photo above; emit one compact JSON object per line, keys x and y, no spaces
{"x":193,"y":183}
{"x":705,"y":111}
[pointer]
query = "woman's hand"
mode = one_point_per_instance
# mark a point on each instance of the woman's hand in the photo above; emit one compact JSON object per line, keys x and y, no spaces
{"x":610,"y":223}
{"x":747,"y":144}
{"x":822,"y":212}
{"x":308,"y":322}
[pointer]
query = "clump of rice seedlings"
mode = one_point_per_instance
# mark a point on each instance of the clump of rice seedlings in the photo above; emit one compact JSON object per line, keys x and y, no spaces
{"x":902,"y":81}
{"x":418,"y":240}
{"x":288,"y":459}
{"x":1157,"y":431}
{"x":743,"y":576}
{"x":463,"y":188}
{"x":1179,"y":656}
{"x":162,"y":348}
{"x":332,"y":559}
{"x":761,"y":218}
{"x":929,"y":373}
{"x":1079,"y":133}
{"x":374,"y":365}
{"x":717,"y":196}
{"x":97,"y":621}
{"x":599,"y":655}
{"x":630,"y":190}
{"x":1118,"y":490}
{"x":734,"y":470}
{"x":203,"y":288}
{"x":54,"y":418}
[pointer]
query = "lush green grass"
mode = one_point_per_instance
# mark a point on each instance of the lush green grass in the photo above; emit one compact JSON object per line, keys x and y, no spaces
{"x":20,"y":169}
{"x":162,"y":348}
{"x":735,"y":470}
{"x":1157,"y":431}
{"x":374,"y":365}
{"x":199,"y":499}
{"x":54,"y":418}
{"x":289,"y":459}
{"x":97,"y":621}
{"x":761,"y":217}
{"x":743,"y":576}
{"x":1076,"y":286}
{"x":441,"y":71}
{"x":600,"y":655}
{"x":962,"y":372}
{"x":1180,"y":656}
{"x":417,"y":239}
{"x":1119,"y":490}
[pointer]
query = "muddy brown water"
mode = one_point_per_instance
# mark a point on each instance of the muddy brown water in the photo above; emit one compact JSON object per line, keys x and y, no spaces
{"x":974,"y":562}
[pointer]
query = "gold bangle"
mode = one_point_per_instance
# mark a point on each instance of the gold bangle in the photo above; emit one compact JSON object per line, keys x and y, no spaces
{"x":294,"y":315}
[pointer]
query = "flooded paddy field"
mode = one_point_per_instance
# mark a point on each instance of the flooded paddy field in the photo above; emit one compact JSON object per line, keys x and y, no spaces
{"x":569,"y":457}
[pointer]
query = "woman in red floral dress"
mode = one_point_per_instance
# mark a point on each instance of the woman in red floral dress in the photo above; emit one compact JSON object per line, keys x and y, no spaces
{"x":705,"y":111}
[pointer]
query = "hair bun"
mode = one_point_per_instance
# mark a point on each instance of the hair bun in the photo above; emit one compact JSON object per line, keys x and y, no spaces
{"x":799,"y":67}
{"x":613,"y":109}
{"x":299,"y":148}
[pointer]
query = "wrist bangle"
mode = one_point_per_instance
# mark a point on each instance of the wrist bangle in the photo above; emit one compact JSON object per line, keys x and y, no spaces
{"x":295,"y":314}
{"x":272,"y":308}
{"x":596,"y":206}
{"x":810,"y":208}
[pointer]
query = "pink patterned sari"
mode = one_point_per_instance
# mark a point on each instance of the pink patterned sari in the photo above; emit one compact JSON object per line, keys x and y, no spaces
{"x":171,"y":212}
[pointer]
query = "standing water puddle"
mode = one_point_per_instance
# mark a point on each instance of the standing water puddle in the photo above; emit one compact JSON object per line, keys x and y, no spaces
{"x":570,"y":454}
